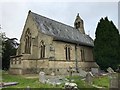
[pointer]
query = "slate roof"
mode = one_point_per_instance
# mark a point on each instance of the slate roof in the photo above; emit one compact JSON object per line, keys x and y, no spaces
{"x":61,"y":31}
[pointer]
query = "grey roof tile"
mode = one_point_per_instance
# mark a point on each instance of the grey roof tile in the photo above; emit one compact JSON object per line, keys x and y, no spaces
{"x":61,"y":31}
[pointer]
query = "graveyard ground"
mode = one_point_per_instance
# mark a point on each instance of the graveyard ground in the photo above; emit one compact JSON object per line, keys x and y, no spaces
{"x":34,"y":82}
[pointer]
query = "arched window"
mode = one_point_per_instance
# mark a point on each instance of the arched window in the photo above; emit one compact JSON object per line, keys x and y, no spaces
{"x":67,"y":52}
{"x":28,"y":41}
{"x":82,"y":55}
{"x":42,"y":49}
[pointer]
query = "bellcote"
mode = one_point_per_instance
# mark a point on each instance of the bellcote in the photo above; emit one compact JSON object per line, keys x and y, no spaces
{"x":79,"y":24}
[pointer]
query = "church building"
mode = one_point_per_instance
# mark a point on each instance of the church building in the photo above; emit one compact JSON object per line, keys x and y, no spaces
{"x":51,"y":46}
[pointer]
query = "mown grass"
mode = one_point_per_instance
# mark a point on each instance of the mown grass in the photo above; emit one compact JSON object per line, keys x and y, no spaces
{"x":81,"y":83}
{"x":25,"y":82}
{"x":102,"y":81}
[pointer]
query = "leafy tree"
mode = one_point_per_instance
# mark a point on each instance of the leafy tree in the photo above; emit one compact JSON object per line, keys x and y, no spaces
{"x":9,"y":46}
{"x":106,"y":43}
{"x":0,"y":50}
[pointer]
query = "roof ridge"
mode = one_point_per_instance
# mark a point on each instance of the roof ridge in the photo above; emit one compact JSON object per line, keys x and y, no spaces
{"x":60,"y":30}
{"x":54,"y":20}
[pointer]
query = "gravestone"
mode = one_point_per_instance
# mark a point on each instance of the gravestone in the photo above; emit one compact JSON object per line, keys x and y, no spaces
{"x":113,"y":77}
{"x":42,"y":77}
{"x":82,"y":73}
{"x":114,"y":80}
{"x":118,"y":80}
{"x":95,"y":71}
{"x":89,"y":78}
{"x":110,"y":70}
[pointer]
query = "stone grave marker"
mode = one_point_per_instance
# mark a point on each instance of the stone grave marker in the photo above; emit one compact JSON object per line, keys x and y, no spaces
{"x":95,"y":71}
{"x":82,"y":73}
{"x":114,"y":80}
{"x":113,"y":83}
{"x":42,"y":77}
{"x":89,"y":78}
{"x":110,"y":70}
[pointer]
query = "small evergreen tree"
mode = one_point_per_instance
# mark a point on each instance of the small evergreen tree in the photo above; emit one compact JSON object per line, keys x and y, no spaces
{"x":106,"y":43}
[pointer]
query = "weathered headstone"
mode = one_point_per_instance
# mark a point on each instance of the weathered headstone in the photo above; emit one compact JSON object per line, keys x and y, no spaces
{"x":94,"y":71}
{"x":118,"y":80}
{"x":4,"y":84}
{"x":114,"y":81}
{"x":89,"y":78}
{"x":82,"y":73}
{"x":42,"y":77}
{"x":110,"y":70}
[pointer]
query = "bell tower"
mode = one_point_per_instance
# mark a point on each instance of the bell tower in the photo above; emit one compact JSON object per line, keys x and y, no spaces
{"x":79,"y":24}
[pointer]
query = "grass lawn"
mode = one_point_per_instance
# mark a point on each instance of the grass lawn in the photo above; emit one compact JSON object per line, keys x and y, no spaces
{"x":102,"y":81}
{"x":24,"y":82}
{"x":34,"y":82}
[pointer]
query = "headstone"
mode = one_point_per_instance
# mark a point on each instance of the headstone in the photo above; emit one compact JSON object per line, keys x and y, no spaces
{"x":118,"y":80}
{"x":114,"y":80}
{"x":42,"y":77}
{"x":82,"y":73}
{"x":110,"y":70}
{"x":94,"y":71}
{"x":3,"y":84}
{"x":89,"y":78}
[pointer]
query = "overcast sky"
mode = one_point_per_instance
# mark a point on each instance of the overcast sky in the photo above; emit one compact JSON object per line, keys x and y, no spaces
{"x":14,"y":14}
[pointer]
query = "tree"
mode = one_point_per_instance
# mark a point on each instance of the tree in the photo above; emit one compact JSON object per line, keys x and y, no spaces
{"x":0,"y":50}
{"x":119,"y":51}
{"x":9,"y":47}
{"x":106,"y":43}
